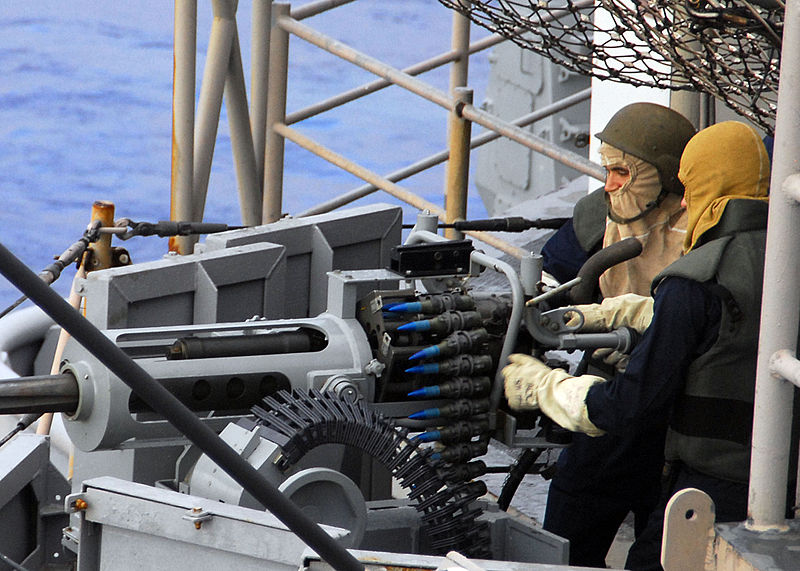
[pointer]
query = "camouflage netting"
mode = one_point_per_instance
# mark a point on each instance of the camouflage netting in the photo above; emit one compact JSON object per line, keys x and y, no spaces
{"x":727,"y":48}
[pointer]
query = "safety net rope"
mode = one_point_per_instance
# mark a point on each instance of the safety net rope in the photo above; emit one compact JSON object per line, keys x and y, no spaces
{"x":728,"y":49}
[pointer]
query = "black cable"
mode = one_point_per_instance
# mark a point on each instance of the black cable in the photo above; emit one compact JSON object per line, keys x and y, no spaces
{"x":507,"y":224}
{"x":516,"y":474}
{"x":23,"y":423}
{"x":162,"y":229}
{"x":8,"y":561}
{"x":52,"y":272}
{"x":26,"y":420}
{"x":13,"y":306}
{"x":161,"y":401}
{"x":165,"y":228}
{"x":598,"y":263}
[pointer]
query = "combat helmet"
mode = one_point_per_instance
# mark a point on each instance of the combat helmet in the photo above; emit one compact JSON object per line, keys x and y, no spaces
{"x":653,"y":133}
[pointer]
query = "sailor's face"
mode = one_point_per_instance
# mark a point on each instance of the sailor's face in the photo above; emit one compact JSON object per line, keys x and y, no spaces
{"x":616,"y":177}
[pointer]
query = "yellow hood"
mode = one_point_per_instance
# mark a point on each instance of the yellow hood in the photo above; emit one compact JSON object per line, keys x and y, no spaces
{"x":722,"y":162}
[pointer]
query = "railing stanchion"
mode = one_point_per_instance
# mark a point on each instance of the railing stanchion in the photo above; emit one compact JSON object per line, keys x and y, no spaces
{"x":244,"y":158}
{"x":223,"y":29}
{"x":276,"y":114}
{"x":183,"y":81}
{"x":259,"y":74}
{"x":459,"y":131}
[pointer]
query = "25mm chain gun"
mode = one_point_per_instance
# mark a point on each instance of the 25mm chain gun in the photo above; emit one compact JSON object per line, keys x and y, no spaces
{"x":401,"y":370}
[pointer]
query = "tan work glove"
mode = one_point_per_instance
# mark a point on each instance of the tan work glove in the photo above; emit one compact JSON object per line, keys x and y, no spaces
{"x":613,"y":358}
{"x":530,"y":384}
{"x":629,"y":310}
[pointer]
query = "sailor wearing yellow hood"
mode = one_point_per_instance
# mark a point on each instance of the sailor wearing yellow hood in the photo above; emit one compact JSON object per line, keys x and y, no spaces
{"x":693,"y":372}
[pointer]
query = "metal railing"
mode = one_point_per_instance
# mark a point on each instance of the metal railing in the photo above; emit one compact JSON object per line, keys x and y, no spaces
{"x":259,"y":131}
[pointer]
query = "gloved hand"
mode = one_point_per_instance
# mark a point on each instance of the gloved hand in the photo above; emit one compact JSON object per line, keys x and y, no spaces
{"x":629,"y":309}
{"x":522,"y":378}
{"x":613,"y":358}
{"x":530,"y":384}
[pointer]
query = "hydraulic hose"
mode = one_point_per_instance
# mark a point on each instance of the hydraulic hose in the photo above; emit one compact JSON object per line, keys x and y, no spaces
{"x":23,"y":423}
{"x":160,"y":400}
{"x":590,"y":272}
{"x":515,"y":475}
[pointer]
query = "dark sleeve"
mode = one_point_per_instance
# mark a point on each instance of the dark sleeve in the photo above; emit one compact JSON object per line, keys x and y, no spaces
{"x":686,"y":317}
{"x":562,"y":254}
{"x":568,"y":249}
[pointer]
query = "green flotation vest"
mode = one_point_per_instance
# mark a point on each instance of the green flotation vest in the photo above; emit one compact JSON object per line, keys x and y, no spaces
{"x":712,"y":422}
{"x":589,"y":220}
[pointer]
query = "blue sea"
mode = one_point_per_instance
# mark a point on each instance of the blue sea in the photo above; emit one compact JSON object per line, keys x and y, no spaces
{"x":85,"y":115}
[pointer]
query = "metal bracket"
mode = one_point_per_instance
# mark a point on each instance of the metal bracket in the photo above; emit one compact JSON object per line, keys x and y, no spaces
{"x":75,"y":503}
{"x":432,"y":259}
{"x":197,"y":516}
{"x":688,"y":530}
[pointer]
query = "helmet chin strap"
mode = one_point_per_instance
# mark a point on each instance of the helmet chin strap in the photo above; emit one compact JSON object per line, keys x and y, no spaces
{"x":653,"y":204}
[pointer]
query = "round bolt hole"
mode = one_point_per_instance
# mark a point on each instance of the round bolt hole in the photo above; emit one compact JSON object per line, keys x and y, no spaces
{"x":235,"y":388}
{"x":201,"y":390}
{"x":690,"y":514}
{"x":271,"y":384}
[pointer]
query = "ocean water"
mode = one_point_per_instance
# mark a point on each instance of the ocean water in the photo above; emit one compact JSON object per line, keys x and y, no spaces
{"x":85,"y":115}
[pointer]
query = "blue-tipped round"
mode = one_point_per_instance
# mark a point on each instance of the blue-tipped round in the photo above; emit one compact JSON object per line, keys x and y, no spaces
{"x":426,"y":369}
{"x":431,"y":436}
{"x":426,"y":414}
{"x":423,"y":325}
{"x":426,"y":353}
{"x":410,"y":307}
{"x":388,"y":306}
{"x":425,"y":392}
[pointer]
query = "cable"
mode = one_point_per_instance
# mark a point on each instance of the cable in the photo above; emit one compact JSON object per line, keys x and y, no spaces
{"x":23,"y":423}
{"x":507,"y":224}
{"x":162,"y":229}
{"x":166,"y":228}
{"x":516,"y":474}
{"x":52,"y":272}
{"x":8,"y":561}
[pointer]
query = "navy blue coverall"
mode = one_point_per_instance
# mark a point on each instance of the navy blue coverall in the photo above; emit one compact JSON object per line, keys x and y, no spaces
{"x":599,"y":481}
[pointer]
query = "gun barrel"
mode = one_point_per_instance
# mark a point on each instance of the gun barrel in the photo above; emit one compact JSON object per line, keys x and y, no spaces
{"x":42,"y":393}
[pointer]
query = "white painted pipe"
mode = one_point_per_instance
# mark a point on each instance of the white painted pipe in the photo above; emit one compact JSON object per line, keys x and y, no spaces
{"x":209,"y":105}
{"x":784,"y":365}
{"x":791,"y":186}
{"x":272,"y":205}
{"x":247,"y":180}
{"x":259,"y":74}
{"x":772,"y":415}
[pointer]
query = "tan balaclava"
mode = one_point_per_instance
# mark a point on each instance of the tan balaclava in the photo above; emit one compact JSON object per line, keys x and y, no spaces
{"x":634,"y":211}
{"x":722,"y":162}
